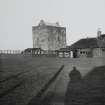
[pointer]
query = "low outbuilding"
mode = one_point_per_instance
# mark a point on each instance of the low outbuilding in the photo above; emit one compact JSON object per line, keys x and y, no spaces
{"x":89,"y":47}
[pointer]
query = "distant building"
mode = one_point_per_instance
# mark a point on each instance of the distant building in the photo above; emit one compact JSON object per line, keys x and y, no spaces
{"x":39,"y":52}
{"x":34,"y":51}
{"x":64,"y":52}
{"x":89,"y":47}
{"x":49,"y":36}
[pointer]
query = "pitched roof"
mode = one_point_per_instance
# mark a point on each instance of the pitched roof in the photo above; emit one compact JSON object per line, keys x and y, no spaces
{"x":64,"y":49}
{"x":102,"y":35}
{"x":32,"y":49}
{"x":85,"y":43}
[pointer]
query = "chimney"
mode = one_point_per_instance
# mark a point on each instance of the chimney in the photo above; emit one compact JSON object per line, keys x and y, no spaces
{"x":99,"y":32}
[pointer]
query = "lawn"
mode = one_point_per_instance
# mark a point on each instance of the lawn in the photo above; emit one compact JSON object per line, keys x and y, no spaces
{"x":22,"y":77}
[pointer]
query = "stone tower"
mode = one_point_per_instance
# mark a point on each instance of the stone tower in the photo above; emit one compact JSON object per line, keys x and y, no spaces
{"x":49,"y":36}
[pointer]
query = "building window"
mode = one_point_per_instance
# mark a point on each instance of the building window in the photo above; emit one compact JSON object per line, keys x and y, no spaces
{"x":55,"y":31}
{"x":103,"y":49}
{"x":80,"y":52}
{"x":86,"y":52}
{"x":83,"y":52}
{"x":63,"y":31}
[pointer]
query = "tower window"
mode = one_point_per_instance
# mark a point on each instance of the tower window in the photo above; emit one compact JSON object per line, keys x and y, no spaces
{"x":63,"y":31}
{"x":58,"y":38}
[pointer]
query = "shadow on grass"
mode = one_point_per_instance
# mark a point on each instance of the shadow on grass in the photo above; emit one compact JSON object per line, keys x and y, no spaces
{"x":89,"y":90}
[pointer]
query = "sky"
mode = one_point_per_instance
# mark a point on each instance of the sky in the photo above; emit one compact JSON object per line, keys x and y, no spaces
{"x":81,"y":18}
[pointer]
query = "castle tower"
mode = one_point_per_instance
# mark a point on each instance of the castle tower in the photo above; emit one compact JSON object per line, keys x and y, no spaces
{"x":49,"y":36}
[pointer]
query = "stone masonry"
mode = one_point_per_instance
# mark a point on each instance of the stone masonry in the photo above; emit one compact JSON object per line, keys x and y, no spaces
{"x":49,"y":36}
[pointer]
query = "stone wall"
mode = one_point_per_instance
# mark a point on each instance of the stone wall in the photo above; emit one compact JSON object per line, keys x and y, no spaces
{"x":99,"y":52}
{"x":40,"y":38}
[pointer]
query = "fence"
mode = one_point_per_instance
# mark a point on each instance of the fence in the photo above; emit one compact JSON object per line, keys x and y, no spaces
{"x":36,"y":53}
{"x":10,"y":51}
{"x":20,"y":52}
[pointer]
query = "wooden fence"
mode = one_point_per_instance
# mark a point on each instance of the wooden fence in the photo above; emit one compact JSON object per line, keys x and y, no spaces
{"x":10,"y":51}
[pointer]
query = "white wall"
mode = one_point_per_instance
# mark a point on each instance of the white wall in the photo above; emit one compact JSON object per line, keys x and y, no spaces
{"x":97,"y":52}
{"x":79,"y":54}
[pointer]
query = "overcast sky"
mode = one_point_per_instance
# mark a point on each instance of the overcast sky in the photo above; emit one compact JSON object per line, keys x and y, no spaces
{"x":80,"y":17}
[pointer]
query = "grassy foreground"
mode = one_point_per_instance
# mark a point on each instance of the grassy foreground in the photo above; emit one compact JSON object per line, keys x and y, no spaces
{"x":88,"y":91}
{"x":21,"y":77}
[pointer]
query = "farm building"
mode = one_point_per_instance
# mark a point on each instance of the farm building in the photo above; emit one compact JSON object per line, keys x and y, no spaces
{"x":64,"y":52}
{"x":35,"y":51}
{"x":39,"y":52}
{"x":89,"y":47}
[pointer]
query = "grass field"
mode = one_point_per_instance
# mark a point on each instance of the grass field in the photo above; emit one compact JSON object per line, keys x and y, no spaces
{"x":21,"y":77}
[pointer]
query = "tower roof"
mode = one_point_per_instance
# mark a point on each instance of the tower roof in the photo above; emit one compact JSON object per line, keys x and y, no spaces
{"x":42,"y":22}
